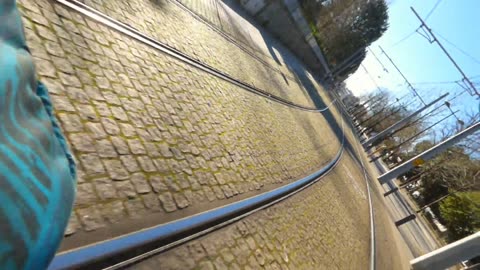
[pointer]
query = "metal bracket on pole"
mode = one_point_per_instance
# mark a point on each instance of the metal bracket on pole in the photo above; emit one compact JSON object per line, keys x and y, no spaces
{"x":428,"y":154}
{"x":405,"y":220}
{"x":470,"y":86}
{"x":449,"y":255}
{"x":393,"y":190}
{"x":400,"y":123}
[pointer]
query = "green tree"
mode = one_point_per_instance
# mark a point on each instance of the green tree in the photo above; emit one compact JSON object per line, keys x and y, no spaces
{"x":452,"y":170}
{"x":461,"y":214}
{"x":345,"y":27}
{"x":372,"y":22}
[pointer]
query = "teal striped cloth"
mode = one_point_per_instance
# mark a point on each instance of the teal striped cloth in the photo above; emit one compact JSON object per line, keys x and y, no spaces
{"x":37,"y":171}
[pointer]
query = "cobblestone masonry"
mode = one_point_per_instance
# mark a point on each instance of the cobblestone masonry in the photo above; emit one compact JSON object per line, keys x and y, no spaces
{"x":289,"y":235}
{"x":221,"y":15}
{"x":167,"y":22}
{"x":151,"y":134}
{"x":323,"y":227}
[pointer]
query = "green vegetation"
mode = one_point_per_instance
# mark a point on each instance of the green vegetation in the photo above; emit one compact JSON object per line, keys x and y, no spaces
{"x":345,"y":27}
{"x":448,"y":184}
{"x":451,"y":179}
{"x":461,"y":214}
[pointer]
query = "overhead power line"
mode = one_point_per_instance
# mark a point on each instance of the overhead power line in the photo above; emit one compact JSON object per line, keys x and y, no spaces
{"x":410,"y":86}
{"x":413,"y":32}
{"x":442,"y":82}
{"x":432,"y":10}
{"x":458,"y":48}
{"x":403,"y":39}
{"x":465,"y":83}
{"x":430,"y":83}
{"x":378,"y":60}
{"x":371,"y":77}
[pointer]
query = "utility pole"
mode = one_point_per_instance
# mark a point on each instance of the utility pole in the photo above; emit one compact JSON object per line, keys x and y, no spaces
{"x":375,"y":103}
{"x":364,"y":110}
{"x":371,"y":117}
{"x":465,"y":78}
{"x":378,"y":121}
{"x":399,"y":124}
{"x":426,"y":155}
{"x":361,"y":105}
{"x":429,"y":114}
{"x":411,"y":138}
{"x":412,"y":179}
{"x":366,"y":130}
{"x":410,"y":86}
{"x":450,"y":193}
{"x":449,"y":255}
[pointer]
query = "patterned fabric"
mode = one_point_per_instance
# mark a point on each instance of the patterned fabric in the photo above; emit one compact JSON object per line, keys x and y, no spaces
{"x":37,"y":172}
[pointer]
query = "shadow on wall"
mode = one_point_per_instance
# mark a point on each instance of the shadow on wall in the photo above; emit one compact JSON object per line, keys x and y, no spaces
{"x":276,"y":17}
{"x":295,"y":65}
{"x":233,"y":5}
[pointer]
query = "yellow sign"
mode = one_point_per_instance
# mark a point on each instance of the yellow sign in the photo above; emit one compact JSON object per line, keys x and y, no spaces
{"x":417,"y":162}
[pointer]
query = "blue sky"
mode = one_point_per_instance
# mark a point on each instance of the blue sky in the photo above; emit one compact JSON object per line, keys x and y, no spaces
{"x":420,"y":61}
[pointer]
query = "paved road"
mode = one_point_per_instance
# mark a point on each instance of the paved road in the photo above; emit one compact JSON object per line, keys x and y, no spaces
{"x":415,"y":232}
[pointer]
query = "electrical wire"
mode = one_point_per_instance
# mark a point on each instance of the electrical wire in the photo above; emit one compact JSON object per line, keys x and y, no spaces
{"x":378,"y":60}
{"x":403,"y":39}
{"x":371,"y":77}
{"x":458,"y":48}
{"x":412,"y":33}
{"x":432,"y":10}
{"x":444,"y":82}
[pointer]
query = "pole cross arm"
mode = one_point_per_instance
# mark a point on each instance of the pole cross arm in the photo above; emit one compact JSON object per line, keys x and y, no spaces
{"x":449,"y":255}
{"x":399,"y":124}
{"x":427,"y":155}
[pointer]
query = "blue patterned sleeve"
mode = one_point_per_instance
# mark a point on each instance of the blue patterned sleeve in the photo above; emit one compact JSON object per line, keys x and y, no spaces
{"x":37,"y":171}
